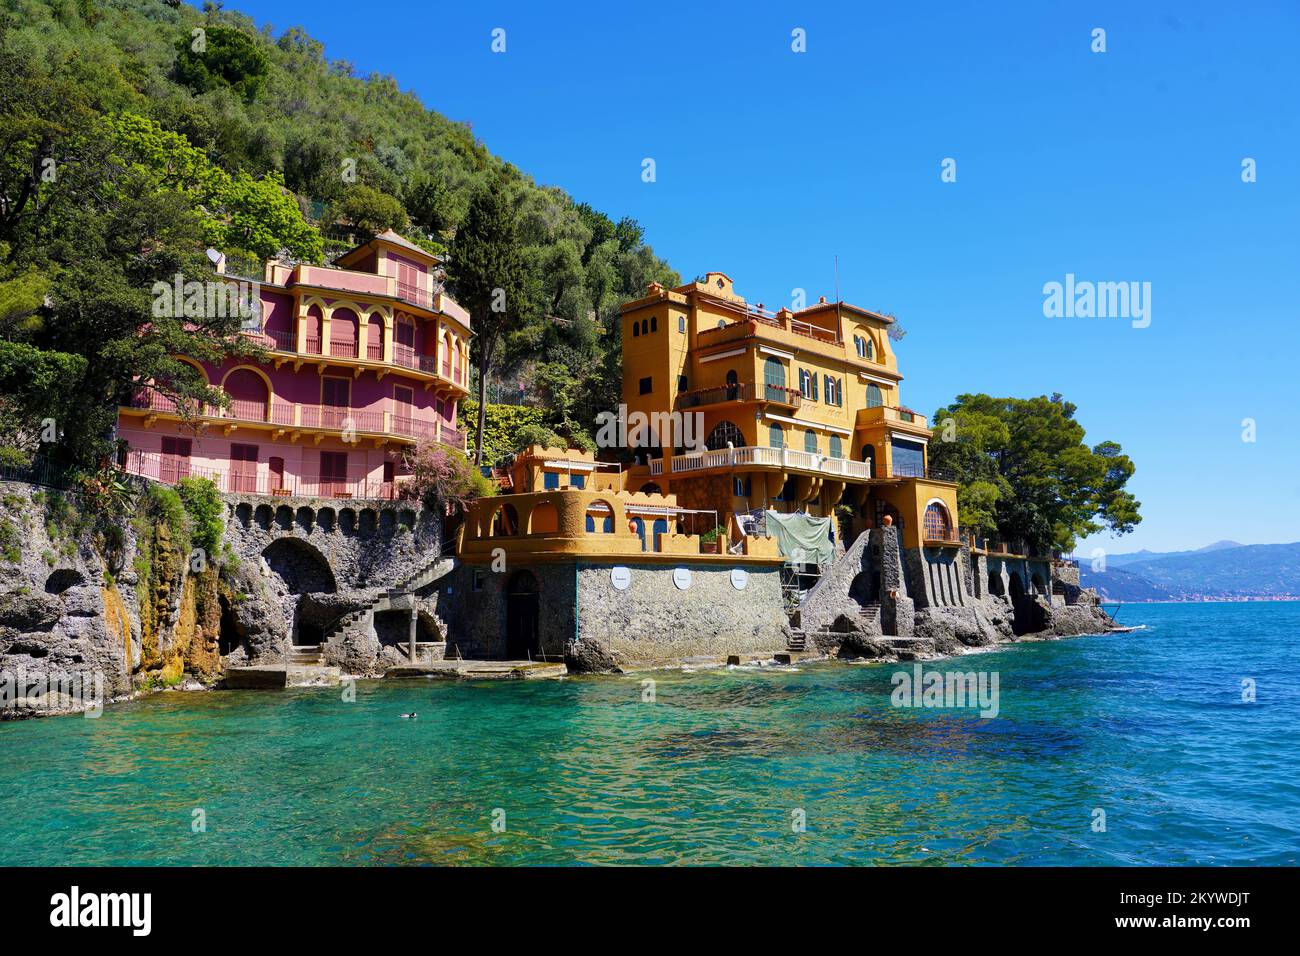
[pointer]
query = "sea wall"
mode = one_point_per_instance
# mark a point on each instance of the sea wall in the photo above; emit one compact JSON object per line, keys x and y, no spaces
{"x":673,"y":612}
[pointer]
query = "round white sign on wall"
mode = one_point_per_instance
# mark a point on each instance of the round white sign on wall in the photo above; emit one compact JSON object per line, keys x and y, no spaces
{"x":682,"y":578}
{"x":621,"y":578}
{"x":739,"y":578}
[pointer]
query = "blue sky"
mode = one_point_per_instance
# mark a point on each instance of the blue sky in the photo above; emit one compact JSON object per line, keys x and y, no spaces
{"x":1117,"y":166}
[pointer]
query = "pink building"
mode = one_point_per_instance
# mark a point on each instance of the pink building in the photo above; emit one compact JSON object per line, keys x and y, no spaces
{"x":364,"y":359}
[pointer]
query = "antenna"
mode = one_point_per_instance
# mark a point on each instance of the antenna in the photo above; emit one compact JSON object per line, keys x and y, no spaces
{"x":839,"y":318}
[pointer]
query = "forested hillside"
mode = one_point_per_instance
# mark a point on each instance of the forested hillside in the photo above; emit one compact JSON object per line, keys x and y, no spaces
{"x":136,"y":133}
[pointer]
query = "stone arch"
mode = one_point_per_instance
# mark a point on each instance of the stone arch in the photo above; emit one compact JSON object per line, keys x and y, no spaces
{"x":263,"y":516}
{"x":325,"y":519}
{"x":244,"y":513}
{"x":347,"y":520}
{"x":406,"y":518}
{"x":387,"y":521}
{"x":284,"y":518}
{"x":63,"y":579}
{"x":306,"y":518}
{"x":301,"y":566}
{"x":996,"y":587}
{"x":543,"y":518}
{"x":369,"y":521}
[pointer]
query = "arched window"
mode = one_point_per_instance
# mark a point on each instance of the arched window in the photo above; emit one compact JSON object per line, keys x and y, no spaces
{"x":874,"y":397}
{"x":860,"y":344}
{"x":775,"y":437}
{"x":837,"y":447}
{"x":637,"y":526}
{"x":733,"y":385}
{"x":249,"y":398}
{"x":404,"y":346}
{"x":871,"y":350}
{"x":645,"y":327}
{"x":636,"y":330}
{"x":375,"y":337}
{"x":722,"y":434}
{"x":654,"y":323}
{"x":810,"y":441}
{"x":311,"y":330}
{"x":344,"y":333}
{"x":659,"y":527}
{"x":937,"y":525}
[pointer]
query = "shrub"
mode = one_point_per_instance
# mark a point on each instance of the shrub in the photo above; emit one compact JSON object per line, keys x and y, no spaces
{"x":441,"y":474}
{"x":203,"y":504}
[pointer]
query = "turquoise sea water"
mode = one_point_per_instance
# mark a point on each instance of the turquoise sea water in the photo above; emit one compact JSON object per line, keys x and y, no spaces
{"x":1149,"y":727}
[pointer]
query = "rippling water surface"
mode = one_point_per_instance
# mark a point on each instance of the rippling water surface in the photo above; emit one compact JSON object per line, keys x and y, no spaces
{"x":1149,"y":727}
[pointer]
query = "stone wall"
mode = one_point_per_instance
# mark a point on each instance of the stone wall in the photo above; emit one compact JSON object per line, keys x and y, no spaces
{"x":654,"y":619}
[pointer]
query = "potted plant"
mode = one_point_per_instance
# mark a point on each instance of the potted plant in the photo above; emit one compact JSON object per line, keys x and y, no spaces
{"x":711,"y":541}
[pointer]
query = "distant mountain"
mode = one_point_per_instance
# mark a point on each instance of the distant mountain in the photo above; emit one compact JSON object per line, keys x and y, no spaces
{"x":1132,"y":557}
{"x":1223,"y":570}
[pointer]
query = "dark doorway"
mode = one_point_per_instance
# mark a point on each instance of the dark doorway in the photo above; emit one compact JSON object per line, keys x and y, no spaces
{"x":231,"y":636}
{"x":522,"y":615}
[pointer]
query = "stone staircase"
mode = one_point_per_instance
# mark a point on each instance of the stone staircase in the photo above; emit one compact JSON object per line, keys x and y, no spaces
{"x":362,"y":619}
{"x":305,"y":655}
{"x":797,"y":642}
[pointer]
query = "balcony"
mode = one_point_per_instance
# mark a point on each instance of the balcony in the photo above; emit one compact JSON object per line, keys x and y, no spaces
{"x":404,"y":356}
{"x":294,"y":415}
{"x":742,"y":392}
{"x":236,"y":480}
{"x":757,"y":322}
{"x":890,"y":413}
{"x":756,"y":456}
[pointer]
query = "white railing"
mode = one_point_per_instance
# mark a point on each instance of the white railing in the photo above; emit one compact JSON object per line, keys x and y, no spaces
{"x":656,"y":466}
{"x":757,"y":455}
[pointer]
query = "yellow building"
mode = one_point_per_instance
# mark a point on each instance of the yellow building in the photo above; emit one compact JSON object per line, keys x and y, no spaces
{"x":792,"y":411}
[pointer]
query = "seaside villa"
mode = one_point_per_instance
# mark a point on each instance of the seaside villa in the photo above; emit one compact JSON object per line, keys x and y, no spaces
{"x":365,"y":358}
{"x":779,"y":497}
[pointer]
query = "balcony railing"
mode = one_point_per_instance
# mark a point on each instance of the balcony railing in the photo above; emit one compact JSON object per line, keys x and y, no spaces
{"x":299,"y":415}
{"x":750,"y":326}
{"x":781,"y":395}
{"x":170,"y":469}
{"x":752,"y":455}
{"x":905,"y":470}
{"x":891,"y":413}
{"x":415,"y":295}
{"x":280,"y":340}
{"x":716,"y":395}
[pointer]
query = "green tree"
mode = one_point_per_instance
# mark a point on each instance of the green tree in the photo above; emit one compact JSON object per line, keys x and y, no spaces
{"x":487,"y":278}
{"x":372,"y":211}
{"x":1024,"y":469}
{"x":222,"y":56}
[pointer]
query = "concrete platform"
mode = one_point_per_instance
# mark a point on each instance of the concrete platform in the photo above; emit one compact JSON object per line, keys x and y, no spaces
{"x":479,"y":670}
{"x":280,"y":676}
